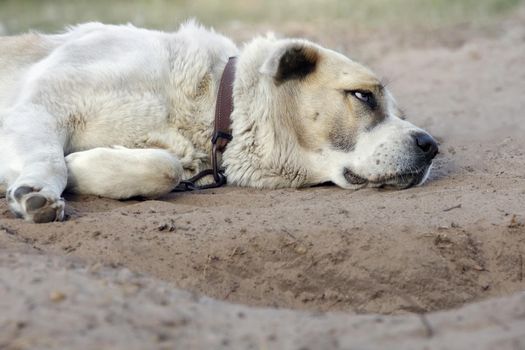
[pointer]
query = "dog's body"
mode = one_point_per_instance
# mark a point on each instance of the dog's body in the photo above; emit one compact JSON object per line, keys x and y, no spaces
{"x":132,"y":112}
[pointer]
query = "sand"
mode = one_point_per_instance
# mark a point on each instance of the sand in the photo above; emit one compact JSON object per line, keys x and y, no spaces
{"x":438,"y":266}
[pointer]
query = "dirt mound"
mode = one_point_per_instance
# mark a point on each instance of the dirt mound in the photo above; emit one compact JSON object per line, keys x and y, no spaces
{"x":417,"y":250}
{"x":57,"y":303}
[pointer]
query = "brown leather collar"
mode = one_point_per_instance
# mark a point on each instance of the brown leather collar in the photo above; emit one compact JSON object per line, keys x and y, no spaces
{"x":223,"y":110}
{"x":221,"y":132}
{"x":224,"y":107}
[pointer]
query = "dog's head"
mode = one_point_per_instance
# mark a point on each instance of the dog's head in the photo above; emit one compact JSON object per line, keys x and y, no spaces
{"x":333,"y":120}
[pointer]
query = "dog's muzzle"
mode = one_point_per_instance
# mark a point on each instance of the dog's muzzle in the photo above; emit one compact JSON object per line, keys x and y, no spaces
{"x":425,"y":149}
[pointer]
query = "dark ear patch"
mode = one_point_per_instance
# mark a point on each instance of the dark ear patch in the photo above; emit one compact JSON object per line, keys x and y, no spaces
{"x":296,"y":63}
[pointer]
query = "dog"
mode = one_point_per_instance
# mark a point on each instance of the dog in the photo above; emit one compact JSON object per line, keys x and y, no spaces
{"x":119,"y":111}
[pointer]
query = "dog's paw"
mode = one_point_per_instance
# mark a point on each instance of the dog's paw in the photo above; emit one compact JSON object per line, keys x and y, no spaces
{"x":35,"y":205}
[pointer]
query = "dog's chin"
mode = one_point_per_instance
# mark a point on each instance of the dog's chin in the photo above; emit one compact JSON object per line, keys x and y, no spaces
{"x":399,"y":181}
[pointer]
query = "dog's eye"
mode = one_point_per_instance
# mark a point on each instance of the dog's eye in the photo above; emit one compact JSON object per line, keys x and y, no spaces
{"x":366,"y":97}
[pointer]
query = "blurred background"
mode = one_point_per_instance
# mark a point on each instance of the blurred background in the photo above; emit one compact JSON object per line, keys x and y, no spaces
{"x":374,"y":26}
{"x":51,"y":15}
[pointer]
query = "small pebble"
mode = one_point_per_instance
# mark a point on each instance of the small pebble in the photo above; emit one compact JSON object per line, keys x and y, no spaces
{"x":56,"y":296}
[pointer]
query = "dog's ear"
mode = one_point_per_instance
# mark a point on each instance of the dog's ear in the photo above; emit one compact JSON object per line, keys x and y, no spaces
{"x":293,"y":60}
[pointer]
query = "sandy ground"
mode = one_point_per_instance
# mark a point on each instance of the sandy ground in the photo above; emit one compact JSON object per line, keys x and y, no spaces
{"x":403,"y":254}
{"x":65,"y":305}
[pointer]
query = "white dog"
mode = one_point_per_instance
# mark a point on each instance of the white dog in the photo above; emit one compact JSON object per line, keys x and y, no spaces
{"x":119,"y":111}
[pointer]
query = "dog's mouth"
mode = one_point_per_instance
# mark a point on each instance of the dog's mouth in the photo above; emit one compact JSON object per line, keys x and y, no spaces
{"x":353,"y":178}
{"x":397,"y":181}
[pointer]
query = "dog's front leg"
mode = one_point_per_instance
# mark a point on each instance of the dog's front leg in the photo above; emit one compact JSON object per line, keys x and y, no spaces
{"x":121,"y":173}
{"x":32,"y":152}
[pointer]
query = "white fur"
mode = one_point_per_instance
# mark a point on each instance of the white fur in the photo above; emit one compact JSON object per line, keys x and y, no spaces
{"x":117,"y":170}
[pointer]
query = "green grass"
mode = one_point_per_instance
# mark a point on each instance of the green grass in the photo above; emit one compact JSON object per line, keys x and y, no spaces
{"x":21,"y":15}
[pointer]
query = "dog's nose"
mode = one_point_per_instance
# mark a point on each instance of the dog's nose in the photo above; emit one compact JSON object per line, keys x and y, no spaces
{"x":426,"y":143}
